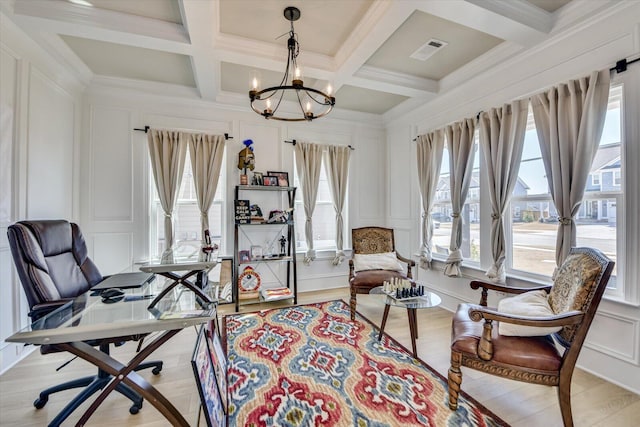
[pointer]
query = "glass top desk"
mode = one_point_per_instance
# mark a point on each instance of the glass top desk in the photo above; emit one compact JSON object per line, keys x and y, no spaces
{"x":88,"y":318}
{"x":170,"y":265}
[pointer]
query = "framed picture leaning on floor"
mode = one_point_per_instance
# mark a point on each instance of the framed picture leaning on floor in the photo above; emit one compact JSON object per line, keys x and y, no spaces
{"x":204,"y":372}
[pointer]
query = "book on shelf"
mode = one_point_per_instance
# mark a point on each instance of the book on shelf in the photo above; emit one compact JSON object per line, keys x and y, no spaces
{"x":242,"y":211}
{"x":273,"y":294}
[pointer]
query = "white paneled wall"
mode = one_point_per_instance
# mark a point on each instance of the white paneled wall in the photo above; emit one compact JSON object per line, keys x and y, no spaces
{"x":113,"y":147}
{"x":38,"y":115}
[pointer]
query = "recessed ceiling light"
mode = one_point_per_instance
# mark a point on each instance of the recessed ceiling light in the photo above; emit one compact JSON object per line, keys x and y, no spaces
{"x":81,"y":2}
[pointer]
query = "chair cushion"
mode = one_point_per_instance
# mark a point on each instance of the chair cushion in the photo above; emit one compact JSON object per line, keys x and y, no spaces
{"x":573,"y":283}
{"x":537,"y":353}
{"x":532,"y":304}
{"x":364,"y":281}
{"x":381,"y":261}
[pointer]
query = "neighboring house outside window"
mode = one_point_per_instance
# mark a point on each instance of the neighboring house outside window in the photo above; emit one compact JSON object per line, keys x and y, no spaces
{"x":534,"y":220}
{"x":442,"y":210}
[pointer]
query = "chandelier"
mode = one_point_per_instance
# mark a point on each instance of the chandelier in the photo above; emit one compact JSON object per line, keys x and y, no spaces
{"x":312,"y":102}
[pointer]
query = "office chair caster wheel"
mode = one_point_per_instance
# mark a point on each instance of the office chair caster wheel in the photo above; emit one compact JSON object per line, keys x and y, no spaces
{"x":156,"y":370}
{"x":40,"y":402}
{"x":134,"y":409}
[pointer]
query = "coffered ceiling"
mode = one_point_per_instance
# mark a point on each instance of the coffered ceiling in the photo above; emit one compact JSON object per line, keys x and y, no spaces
{"x":208,"y":49}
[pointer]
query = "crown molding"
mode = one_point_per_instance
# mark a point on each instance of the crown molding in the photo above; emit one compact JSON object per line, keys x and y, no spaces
{"x":104,"y":25}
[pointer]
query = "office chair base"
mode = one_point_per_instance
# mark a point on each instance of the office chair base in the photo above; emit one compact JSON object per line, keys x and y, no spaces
{"x":93,"y":384}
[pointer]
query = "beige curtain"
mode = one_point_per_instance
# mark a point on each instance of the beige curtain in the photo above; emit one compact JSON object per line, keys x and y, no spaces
{"x":167,"y":150}
{"x":337,"y":166}
{"x":206,"y":152}
{"x":569,"y":122}
{"x":429,"y":157}
{"x":502,"y":140}
{"x":461,"y":156}
{"x":308,"y":164}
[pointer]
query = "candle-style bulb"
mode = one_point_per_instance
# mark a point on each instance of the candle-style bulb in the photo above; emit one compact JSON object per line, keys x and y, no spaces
{"x":329,"y":89}
{"x":268,"y":103}
{"x":308,"y":107}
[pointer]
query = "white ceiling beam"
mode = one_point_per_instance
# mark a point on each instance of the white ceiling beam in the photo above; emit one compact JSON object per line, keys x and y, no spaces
{"x":382,"y":19}
{"x":103,"y":25}
{"x":270,"y":56}
{"x":514,"y":20}
{"x":198,"y":17}
{"x":393,"y":82}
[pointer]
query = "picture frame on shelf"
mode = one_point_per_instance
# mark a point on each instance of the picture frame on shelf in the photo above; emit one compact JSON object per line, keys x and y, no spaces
{"x":244,"y":256}
{"x":256,"y":252}
{"x":257,"y":178}
{"x":270,"y":181}
{"x":283,"y":178}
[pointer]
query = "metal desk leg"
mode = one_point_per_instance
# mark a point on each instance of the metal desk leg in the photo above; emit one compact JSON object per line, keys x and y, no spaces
{"x":179,"y":280}
{"x":126,"y":374}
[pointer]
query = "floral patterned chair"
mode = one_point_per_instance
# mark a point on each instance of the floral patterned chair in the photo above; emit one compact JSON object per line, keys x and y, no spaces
{"x":369,"y":241}
{"x":531,"y":355}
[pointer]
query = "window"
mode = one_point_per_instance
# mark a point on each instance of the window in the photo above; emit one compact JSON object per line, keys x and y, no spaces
{"x":186,"y":223}
{"x":324,"y":216}
{"x":442,"y":210}
{"x":597,"y":220}
{"x":534,"y":220}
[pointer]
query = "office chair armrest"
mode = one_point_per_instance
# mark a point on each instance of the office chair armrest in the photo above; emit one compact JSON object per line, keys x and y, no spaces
{"x":42,"y":309}
{"x":475,"y":284}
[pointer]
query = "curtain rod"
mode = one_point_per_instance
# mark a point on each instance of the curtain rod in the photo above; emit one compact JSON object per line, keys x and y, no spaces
{"x":146,"y":129}
{"x":477,"y":118}
{"x":293,"y":142}
{"x":621,"y":65}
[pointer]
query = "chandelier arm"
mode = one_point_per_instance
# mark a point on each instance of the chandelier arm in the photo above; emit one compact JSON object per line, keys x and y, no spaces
{"x":279,"y":101}
{"x":293,"y":50}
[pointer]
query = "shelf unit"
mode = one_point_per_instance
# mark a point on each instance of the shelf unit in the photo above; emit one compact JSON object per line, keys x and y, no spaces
{"x":289,"y":259}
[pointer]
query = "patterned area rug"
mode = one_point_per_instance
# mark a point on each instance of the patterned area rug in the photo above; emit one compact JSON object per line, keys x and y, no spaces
{"x":311,"y":365}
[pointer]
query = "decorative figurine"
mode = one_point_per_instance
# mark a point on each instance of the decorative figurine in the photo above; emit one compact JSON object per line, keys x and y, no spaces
{"x":283,"y":243}
{"x":246,"y":160}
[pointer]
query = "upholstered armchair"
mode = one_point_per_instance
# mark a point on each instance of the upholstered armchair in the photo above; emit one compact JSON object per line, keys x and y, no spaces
{"x":370,"y":241}
{"x":507,"y":343}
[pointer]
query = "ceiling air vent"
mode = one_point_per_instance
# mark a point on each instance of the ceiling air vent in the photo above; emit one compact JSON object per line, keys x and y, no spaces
{"x":429,"y":48}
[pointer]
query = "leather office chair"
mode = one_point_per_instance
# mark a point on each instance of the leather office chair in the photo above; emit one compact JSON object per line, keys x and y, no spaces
{"x":372,"y":240}
{"x":51,"y":260}
{"x":574,"y":297}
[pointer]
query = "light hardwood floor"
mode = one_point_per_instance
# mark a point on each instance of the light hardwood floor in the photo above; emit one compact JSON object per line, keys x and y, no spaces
{"x":596,"y":402}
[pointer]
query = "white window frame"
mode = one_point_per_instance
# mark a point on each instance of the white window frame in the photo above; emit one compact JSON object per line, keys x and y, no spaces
{"x":626,"y":285}
{"x":595,"y":179}
{"x":299,"y":207}
{"x":446,"y":200}
{"x":154,"y":206}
